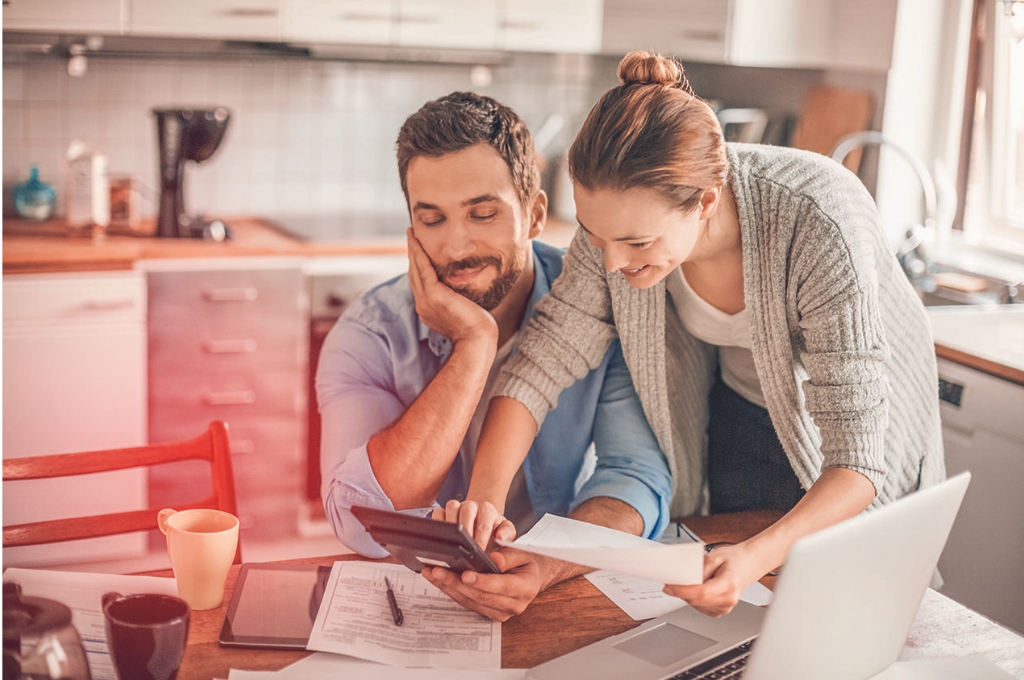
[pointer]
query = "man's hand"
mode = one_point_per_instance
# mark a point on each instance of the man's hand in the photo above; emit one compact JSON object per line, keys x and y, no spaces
{"x":442,"y":309}
{"x":482,"y":520}
{"x":502,"y":596}
{"x":524,"y":575}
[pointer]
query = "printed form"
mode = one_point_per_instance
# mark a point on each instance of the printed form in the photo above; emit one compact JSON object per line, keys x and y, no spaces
{"x":355,"y":619}
{"x":603,"y":548}
{"x":82,"y":592}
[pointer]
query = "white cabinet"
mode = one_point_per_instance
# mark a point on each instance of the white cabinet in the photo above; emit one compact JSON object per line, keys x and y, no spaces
{"x":551,"y":26}
{"x":983,"y":431}
{"x":848,"y":34}
{"x":74,"y":379}
{"x":359,"y":22}
{"x":72,"y":16}
{"x":688,"y":29}
{"x":471,"y":24}
{"x":225,"y":19}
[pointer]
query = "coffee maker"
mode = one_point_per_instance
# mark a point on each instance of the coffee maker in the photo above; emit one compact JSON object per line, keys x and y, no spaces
{"x":186,"y":135}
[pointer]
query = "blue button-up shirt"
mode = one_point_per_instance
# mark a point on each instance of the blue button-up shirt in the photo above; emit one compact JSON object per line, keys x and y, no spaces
{"x":379,"y":357}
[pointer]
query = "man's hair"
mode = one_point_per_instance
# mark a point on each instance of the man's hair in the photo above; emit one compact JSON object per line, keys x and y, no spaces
{"x":463,"y":119}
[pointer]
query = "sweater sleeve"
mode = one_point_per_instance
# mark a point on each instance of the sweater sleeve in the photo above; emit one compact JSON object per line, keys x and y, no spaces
{"x":568,"y":335}
{"x":842,"y":340}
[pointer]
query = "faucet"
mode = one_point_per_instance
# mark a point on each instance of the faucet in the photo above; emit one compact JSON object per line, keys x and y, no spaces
{"x":910,"y":251}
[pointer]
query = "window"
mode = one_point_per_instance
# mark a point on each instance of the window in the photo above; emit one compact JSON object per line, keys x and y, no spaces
{"x":992,"y":172}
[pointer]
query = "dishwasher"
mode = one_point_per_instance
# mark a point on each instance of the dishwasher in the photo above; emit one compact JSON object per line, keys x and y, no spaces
{"x":983,"y":431}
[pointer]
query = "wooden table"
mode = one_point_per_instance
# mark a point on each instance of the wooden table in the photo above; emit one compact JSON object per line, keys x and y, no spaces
{"x":574,"y":614}
{"x":537,"y":635}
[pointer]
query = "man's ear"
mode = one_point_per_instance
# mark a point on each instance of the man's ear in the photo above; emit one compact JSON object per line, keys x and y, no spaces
{"x":538,"y":213}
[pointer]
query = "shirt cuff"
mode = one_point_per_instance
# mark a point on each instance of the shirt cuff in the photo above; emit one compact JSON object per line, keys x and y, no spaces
{"x":652,"y":506}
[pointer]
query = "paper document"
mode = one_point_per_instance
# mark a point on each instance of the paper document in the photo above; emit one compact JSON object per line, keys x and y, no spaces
{"x":82,"y":592}
{"x":437,"y":632}
{"x":335,"y":666}
{"x":603,"y":548}
{"x":643,"y":599}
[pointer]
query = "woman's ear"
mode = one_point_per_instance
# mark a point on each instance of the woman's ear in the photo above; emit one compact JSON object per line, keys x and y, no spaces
{"x":709,"y":199}
{"x":538,"y":213}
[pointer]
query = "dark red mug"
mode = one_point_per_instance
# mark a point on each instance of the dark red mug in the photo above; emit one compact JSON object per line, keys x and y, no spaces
{"x":146,"y":634}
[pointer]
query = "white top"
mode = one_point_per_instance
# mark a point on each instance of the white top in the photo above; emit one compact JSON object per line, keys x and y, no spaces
{"x":729,"y":332}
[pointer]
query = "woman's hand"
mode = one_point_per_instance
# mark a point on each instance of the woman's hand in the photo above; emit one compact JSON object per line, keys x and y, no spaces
{"x":728,"y":570}
{"x":482,"y":520}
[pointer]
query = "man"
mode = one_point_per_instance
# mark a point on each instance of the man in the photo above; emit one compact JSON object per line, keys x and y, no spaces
{"x":404,"y":377}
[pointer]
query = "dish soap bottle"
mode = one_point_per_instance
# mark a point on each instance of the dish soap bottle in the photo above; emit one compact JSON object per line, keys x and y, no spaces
{"x":34,"y":199}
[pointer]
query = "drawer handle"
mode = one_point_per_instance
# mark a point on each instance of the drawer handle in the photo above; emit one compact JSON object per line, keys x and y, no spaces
{"x":247,"y":294}
{"x":520,"y":25}
{"x":251,"y":12}
{"x":109,"y":305}
{"x":242,"y":346}
{"x":230,"y":398}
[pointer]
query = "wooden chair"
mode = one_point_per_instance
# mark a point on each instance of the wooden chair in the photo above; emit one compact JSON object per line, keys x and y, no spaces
{"x":211,"y":446}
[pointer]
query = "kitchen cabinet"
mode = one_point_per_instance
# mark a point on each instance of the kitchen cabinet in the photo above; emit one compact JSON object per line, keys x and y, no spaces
{"x":224,"y":19}
{"x":847,"y":34}
{"x":343,"y":21}
{"x":74,"y":379}
{"x":228,"y":340}
{"x":71,"y":16}
{"x":545,"y":26}
{"x":471,"y":24}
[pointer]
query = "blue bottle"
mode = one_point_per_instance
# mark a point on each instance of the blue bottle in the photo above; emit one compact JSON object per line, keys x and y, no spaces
{"x":34,"y":199}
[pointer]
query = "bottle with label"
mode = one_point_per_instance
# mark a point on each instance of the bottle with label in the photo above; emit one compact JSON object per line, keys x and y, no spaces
{"x":33,"y":198}
{"x":88,"y":189}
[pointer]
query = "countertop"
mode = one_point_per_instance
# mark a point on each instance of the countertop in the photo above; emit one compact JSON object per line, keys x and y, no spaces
{"x":47,"y":247}
{"x":987,"y":338}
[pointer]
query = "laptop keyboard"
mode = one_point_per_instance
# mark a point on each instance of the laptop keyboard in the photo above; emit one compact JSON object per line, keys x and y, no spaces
{"x":729,"y":664}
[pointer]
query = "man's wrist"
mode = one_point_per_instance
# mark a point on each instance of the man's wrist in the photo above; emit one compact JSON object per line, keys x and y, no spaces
{"x":484,"y":339}
{"x":555,"y":571}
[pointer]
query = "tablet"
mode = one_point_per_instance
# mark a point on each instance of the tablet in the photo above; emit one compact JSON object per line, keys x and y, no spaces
{"x":274,"y":605}
{"x":420,"y":542}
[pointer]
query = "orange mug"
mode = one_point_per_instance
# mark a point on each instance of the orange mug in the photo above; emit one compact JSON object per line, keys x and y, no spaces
{"x":201,"y":544}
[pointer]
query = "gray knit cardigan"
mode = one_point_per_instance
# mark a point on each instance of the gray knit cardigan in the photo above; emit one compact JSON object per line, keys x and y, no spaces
{"x":841,"y":343}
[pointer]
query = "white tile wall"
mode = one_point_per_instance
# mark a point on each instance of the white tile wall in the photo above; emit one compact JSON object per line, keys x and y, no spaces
{"x":306,"y":137}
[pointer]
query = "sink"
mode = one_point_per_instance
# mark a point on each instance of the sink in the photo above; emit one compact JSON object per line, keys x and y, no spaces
{"x":952,"y":298}
{"x":964,"y":288}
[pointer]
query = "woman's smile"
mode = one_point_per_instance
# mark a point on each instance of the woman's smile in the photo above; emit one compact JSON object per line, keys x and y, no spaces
{"x":634,"y":272}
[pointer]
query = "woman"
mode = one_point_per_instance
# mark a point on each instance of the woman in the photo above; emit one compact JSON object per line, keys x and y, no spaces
{"x":782,"y":357}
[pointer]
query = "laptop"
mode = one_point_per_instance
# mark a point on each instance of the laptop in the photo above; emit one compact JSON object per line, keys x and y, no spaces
{"x":843,"y":605}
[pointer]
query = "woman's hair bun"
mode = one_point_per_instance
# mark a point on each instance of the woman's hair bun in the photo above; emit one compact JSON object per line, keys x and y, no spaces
{"x":647,"y":68}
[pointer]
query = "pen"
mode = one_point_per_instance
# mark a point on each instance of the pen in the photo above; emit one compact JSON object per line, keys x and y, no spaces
{"x":396,"y":613}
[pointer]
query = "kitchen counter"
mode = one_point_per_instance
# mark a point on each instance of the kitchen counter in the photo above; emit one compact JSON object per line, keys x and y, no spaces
{"x":986,"y":338}
{"x":47,"y":247}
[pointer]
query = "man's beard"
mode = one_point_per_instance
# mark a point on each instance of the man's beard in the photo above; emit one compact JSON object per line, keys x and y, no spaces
{"x":488,"y":299}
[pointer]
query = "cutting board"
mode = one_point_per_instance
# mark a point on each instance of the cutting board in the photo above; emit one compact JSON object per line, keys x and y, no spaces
{"x":830,"y":113}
